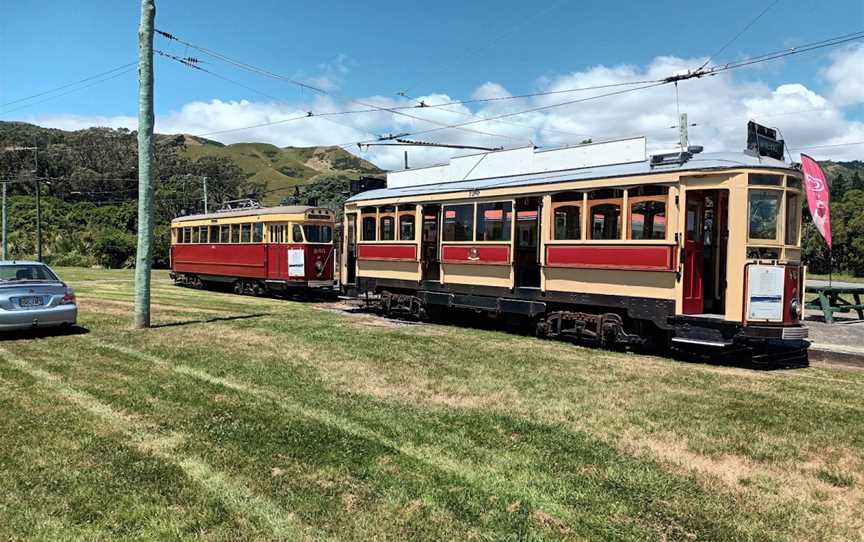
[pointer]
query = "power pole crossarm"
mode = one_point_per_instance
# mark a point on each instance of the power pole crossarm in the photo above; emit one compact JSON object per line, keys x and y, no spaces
{"x":144,"y":256}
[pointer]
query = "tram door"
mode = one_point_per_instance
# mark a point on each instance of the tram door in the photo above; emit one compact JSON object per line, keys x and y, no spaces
{"x":706,"y":235}
{"x":527,"y":261}
{"x":351,"y":250}
{"x":429,"y":259}
{"x":694,"y":262}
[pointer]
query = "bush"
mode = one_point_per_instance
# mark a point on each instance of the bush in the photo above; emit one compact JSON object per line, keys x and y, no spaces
{"x":115,"y":249}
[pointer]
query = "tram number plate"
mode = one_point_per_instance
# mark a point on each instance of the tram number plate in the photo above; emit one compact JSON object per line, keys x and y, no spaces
{"x":31,"y":301}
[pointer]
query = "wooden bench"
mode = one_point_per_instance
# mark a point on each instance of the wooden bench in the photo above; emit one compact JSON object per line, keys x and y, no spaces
{"x":829,"y":300}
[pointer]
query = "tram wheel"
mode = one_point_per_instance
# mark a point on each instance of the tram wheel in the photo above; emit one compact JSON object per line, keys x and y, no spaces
{"x":238,"y":287}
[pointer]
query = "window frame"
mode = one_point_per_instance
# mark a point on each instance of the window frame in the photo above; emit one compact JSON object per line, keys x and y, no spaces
{"x":363,"y":218}
{"x":391,"y":219}
{"x":632,"y":200}
{"x":780,"y":223}
{"x":799,"y":196}
{"x":621,"y":202}
{"x":245,"y":232}
{"x":412,"y":215}
{"x":580,"y":205}
{"x":509,"y":230}
{"x":295,"y":227}
{"x":471,"y":228}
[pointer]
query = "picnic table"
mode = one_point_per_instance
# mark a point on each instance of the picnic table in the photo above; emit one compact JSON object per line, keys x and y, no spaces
{"x":831,"y":298}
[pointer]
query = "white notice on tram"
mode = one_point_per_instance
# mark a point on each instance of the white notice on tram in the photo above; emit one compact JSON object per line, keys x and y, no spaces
{"x":765,"y":292}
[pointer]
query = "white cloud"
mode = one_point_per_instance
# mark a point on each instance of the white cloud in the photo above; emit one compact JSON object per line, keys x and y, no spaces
{"x":846,"y":75}
{"x":720,"y":106}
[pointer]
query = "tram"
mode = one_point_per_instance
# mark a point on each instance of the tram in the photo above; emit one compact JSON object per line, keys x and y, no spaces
{"x":255,"y":250}
{"x":600,"y":242}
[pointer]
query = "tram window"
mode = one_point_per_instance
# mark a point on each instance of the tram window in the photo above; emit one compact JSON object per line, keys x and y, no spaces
{"x":214,"y":234}
{"x":458,"y":222}
{"x":387,"y":228}
{"x":186,"y":235}
{"x":202,"y":236}
{"x":763,"y":179}
{"x":258,"y":232}
{"x":494,"y":221}
{"x":369,"y":228}
{"x":406,"y":228}
{"x":793,"y":182}
{"x":296,"y":233}
{"x":196,"y":235}
{"x":225,"y":233}
{"x":235,"y":233}
{"x":568,"y":222}
{"x":318,"y":233}
{"x":764,"y":209}
{"x":245,"y":233}
{"x":605,"y":221}
{"x":648,"y":220}
{"x":793,"y":219}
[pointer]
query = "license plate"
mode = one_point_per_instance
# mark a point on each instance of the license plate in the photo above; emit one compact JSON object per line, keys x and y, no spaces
{"x":31,"y":301}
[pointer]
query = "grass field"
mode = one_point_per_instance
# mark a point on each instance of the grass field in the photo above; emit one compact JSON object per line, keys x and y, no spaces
{"x":243,"y":418}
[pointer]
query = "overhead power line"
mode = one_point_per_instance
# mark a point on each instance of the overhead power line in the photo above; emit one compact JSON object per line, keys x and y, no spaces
{"x":828,"y":146}
{"x":70,"y":91}
{"x":831,"y":42}
{"x":67,"y":85}
{"x":739,"y":34}
{"x":272,"y":75}
{"x":630,"y":86}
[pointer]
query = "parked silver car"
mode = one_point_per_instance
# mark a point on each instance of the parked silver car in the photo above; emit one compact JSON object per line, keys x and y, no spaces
{"x":31,"y":295}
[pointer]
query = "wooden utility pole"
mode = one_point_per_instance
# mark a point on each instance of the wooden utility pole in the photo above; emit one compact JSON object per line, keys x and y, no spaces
{"x":5,"y":230}
{"x":144,"y":256}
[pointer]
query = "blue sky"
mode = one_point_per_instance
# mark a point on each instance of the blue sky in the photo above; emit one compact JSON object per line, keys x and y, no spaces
{"x":377,"y":49}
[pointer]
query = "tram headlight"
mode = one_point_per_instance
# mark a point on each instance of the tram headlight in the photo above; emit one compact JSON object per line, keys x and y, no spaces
{"x":795,"y":309}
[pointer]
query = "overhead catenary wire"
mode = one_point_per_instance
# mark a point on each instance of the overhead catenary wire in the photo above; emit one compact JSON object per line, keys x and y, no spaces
{"x":831,"y":42}
{"x":739,"y":34}
{"x":270,"y":74}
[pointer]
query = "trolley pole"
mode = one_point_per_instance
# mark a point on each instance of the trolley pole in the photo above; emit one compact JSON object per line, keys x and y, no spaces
{"x":144,"y":255}
{"x":205,"y":195}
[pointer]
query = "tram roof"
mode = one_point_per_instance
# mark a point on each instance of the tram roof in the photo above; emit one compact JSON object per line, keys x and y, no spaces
{"x":699,"y":162}
{"x":278,"y":210}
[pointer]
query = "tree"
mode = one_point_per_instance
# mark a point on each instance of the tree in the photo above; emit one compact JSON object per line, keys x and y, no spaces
{"x":838,"y":187}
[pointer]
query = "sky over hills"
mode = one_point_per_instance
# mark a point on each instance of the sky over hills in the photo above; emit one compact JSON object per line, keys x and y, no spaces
{"x":366,"y":55}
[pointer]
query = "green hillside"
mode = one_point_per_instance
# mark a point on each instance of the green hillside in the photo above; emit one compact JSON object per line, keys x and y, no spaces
{"x":280,"y":169}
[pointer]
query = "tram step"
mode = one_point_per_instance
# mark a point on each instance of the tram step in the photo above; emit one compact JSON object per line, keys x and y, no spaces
{"x":701,"y":342}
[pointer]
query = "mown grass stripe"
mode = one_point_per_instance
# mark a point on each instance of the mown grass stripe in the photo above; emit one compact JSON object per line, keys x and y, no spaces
{"x":233,"y":493}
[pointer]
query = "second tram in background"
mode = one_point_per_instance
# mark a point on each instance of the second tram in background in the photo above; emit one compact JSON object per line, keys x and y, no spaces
{"x":255,"y":250}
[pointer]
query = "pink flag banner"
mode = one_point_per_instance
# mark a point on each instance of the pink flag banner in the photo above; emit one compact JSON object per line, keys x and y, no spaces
{"x":818,"y":196}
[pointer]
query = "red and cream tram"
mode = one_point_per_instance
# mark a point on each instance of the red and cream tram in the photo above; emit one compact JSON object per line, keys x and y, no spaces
{"x":597,"y":241}
{"x":256,"y":250}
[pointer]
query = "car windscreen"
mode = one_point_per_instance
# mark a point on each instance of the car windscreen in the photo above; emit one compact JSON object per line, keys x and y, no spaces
{"x":16,"y":272}
{"x":318,"y":233}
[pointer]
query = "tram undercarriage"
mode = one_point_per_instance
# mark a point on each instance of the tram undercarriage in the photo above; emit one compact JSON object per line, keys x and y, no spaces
{"x":593,"y":326}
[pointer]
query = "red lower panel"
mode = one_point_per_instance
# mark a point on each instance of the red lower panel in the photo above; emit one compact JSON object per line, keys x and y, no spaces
{"x":238,"y":260}
{"x":401,"y":253}
{"x":639,"y":258}
{"x":479,"y":254}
